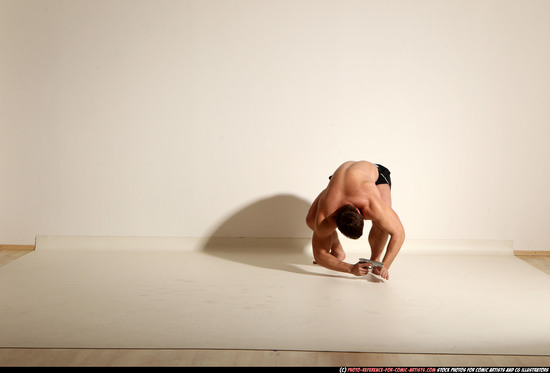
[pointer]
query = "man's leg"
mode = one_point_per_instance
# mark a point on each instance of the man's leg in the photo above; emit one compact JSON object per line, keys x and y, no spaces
{"x":377,"y":237}
{"x":377,"y":241}
{"x":336,"y":249}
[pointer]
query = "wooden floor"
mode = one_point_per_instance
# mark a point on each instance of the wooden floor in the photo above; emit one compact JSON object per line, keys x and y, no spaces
{"x":187,"y":357}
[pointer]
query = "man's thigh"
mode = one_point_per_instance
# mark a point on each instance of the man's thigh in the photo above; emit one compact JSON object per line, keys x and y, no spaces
{"x":385,"y":193}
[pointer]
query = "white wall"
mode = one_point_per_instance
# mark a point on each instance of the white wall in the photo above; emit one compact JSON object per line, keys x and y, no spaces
{"x":166,"y":118}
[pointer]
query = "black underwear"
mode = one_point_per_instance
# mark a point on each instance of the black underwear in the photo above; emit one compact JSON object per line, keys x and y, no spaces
{"x":383,"y":175}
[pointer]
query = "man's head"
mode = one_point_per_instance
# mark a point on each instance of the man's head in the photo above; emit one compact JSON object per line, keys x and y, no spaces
{"x":350,"y":221}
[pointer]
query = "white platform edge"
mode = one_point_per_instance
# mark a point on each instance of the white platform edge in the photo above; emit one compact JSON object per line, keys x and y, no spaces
{"x":413,"y":246}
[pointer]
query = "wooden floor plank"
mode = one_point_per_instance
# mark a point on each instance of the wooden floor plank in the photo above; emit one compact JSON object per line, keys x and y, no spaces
{"x":203,"y":358}
{"x":9,"y":255}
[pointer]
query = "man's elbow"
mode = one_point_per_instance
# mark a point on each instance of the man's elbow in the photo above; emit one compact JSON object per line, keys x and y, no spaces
{"x":321,"y":259}
{"x":318,"y":258}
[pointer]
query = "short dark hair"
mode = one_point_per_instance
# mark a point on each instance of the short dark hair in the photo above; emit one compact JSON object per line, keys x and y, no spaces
{"x":350,"y":221}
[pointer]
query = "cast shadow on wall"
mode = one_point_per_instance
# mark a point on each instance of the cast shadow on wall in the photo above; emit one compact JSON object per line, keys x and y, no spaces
{"x":282,"y":217}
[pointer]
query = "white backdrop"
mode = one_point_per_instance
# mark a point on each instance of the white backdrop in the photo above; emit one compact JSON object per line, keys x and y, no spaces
{"x":167,"y":118}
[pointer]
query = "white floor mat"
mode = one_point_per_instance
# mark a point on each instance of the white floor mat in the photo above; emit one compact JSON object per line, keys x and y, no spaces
{"x":273,"y":298}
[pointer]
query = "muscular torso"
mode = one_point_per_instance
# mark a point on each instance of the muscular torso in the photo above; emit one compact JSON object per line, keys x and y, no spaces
{"x":352,"y":183}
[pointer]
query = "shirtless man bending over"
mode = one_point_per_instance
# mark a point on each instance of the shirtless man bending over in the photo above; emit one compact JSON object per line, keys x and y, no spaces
{"x":357,"y":191}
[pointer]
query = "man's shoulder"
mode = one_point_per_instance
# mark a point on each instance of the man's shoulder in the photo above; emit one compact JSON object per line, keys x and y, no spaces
{"x":325,"y":223}
{"x":372,"y":207}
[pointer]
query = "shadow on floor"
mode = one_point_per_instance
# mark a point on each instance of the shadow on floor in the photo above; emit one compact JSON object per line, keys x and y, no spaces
{"x":282,"y":217}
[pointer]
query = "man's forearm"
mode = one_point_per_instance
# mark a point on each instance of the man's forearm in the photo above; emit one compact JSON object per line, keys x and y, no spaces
{"x":329,"y":261}
{"x":396,"y":241}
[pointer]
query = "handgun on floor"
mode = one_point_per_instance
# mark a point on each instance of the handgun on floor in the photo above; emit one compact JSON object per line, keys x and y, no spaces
{"x":372,"y":262}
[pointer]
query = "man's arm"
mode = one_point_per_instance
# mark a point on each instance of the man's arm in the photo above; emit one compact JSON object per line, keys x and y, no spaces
{"x":387,"y":220}
{"x":321,"y":253}
{"x":324,"y":228}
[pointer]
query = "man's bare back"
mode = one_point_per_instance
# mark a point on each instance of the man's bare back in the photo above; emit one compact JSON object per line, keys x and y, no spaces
{"x":366,"y":187}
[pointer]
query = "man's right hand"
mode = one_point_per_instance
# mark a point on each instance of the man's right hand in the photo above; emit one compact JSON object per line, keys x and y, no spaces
{"x":360,"y":269}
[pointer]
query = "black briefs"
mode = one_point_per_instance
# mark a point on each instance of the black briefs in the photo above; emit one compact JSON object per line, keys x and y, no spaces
{"x":383,"y":175}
